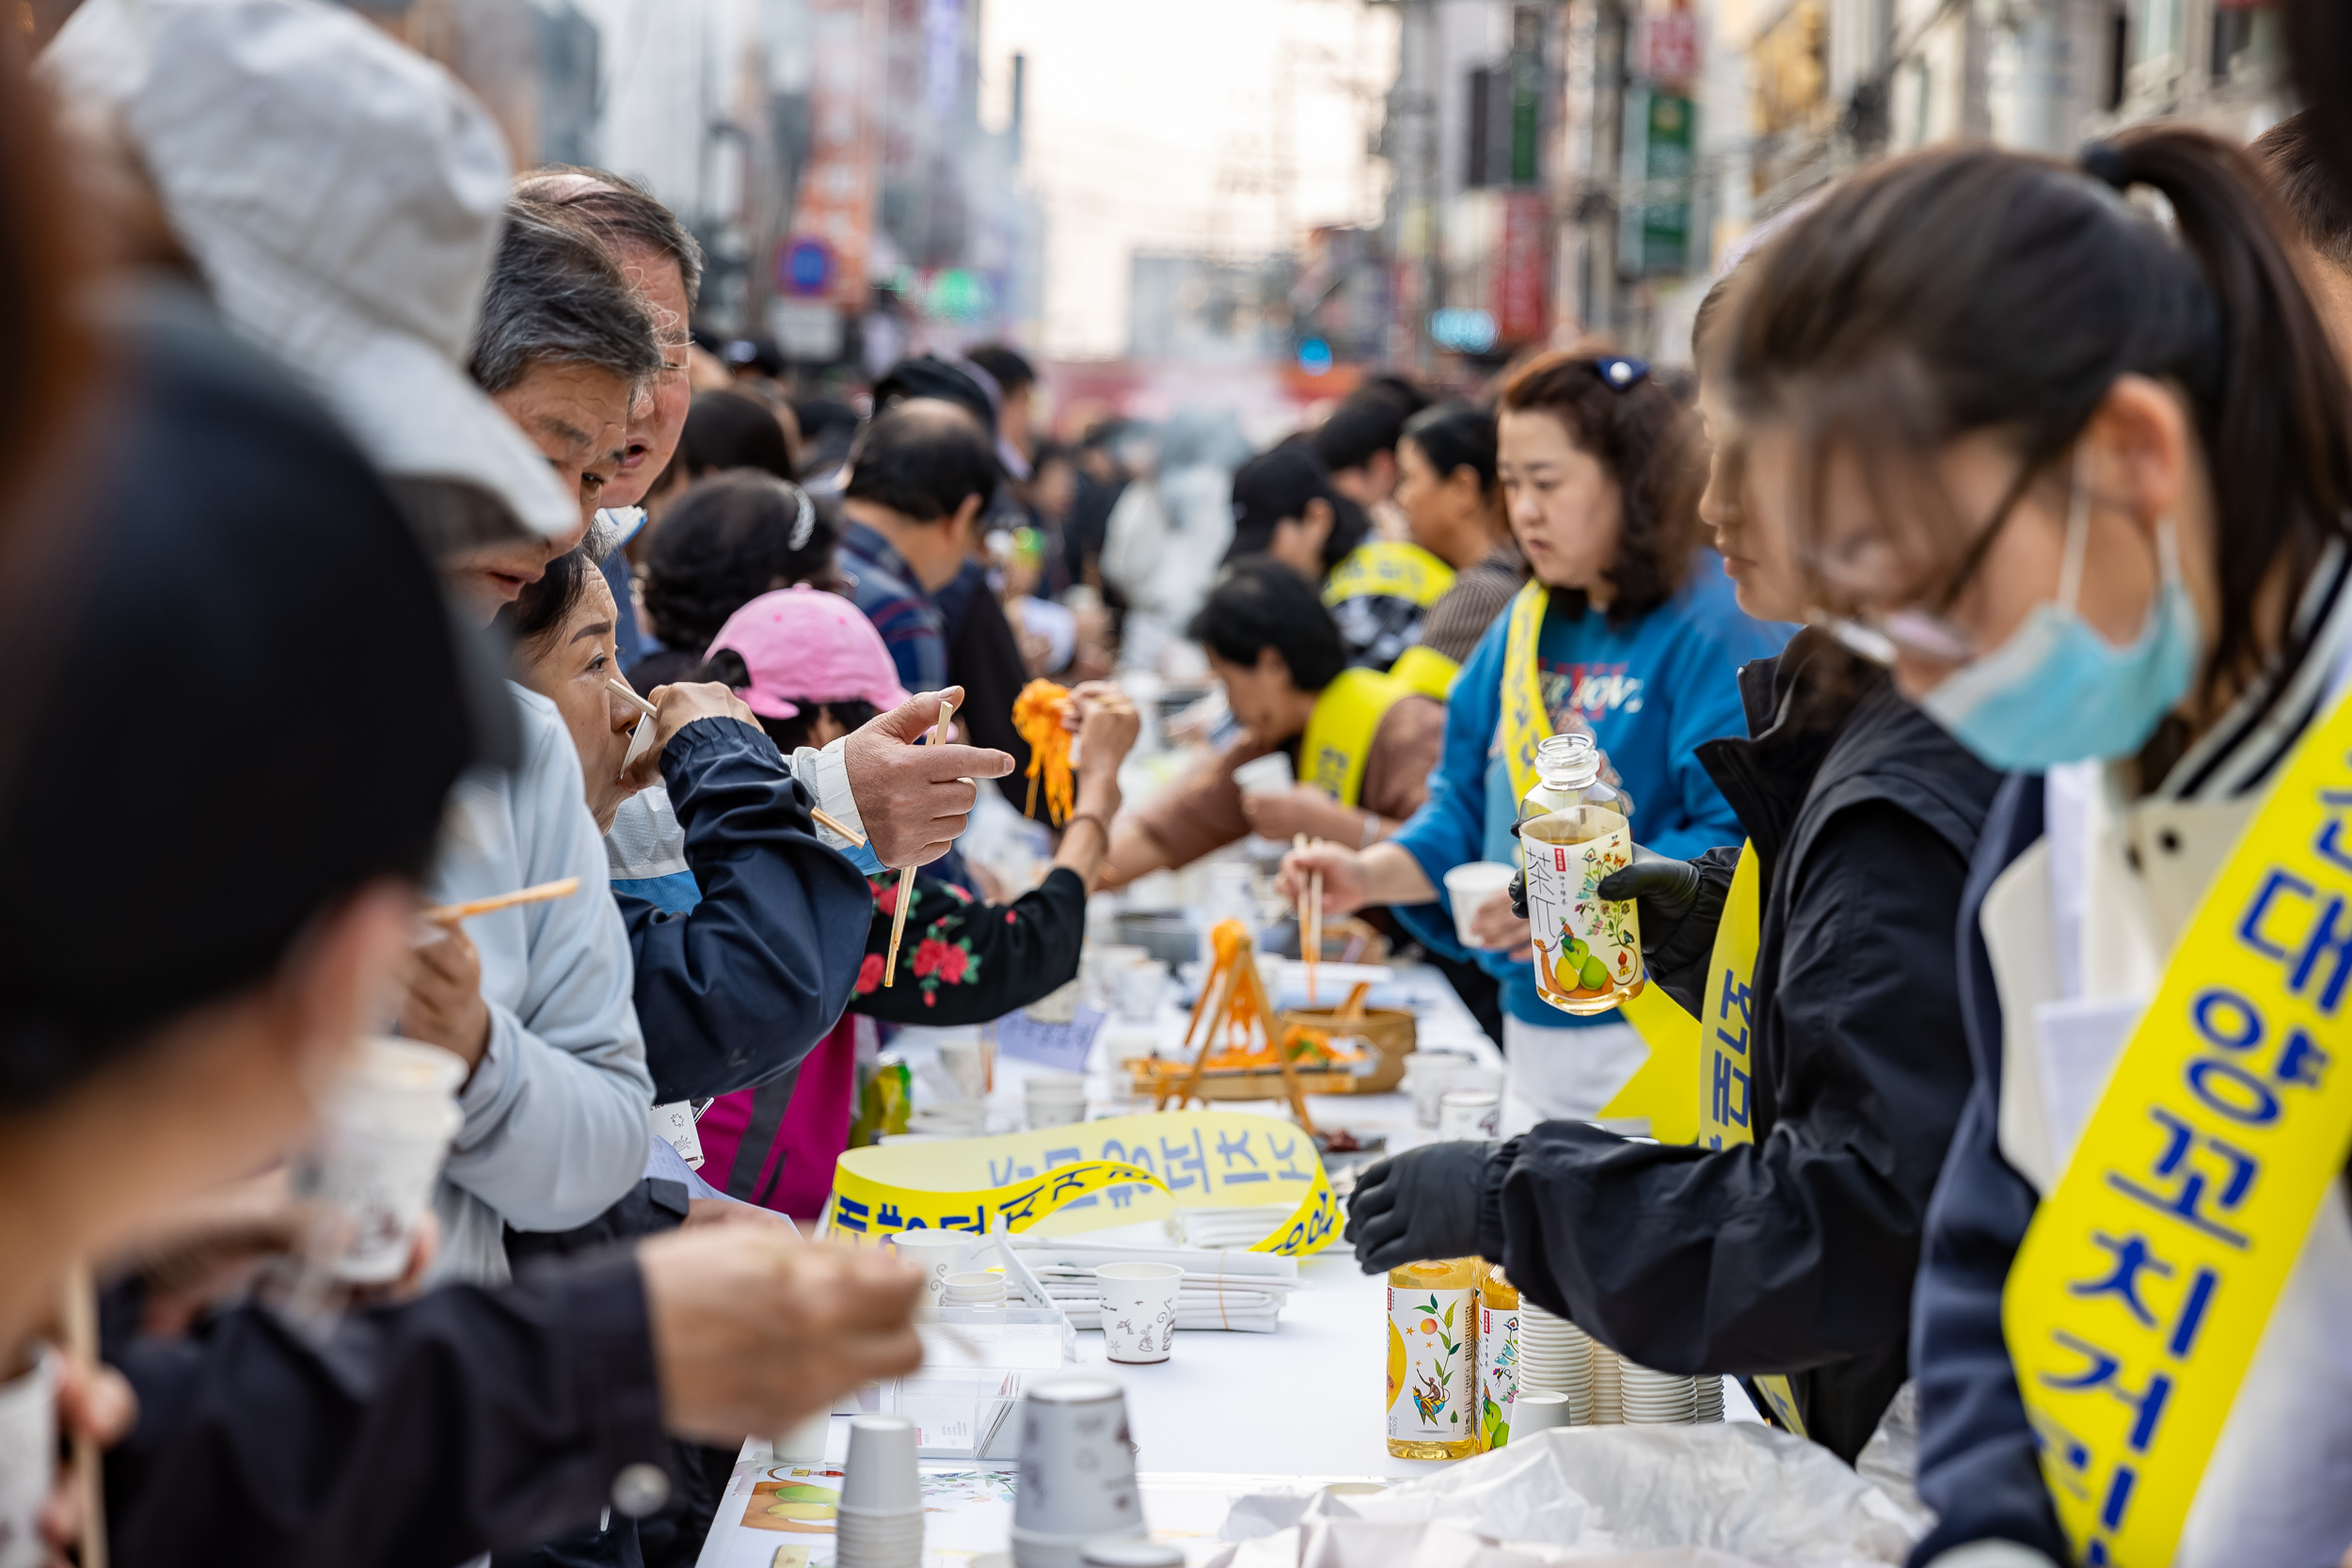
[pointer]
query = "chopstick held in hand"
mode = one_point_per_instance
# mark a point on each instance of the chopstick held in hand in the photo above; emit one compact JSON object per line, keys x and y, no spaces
{"x":906,"y":873}
{"x":450,"y":915}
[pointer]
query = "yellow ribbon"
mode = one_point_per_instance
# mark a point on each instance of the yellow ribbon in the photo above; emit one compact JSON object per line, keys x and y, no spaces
{"x":1090,"y":1175}
{"x":2149,"y":1269}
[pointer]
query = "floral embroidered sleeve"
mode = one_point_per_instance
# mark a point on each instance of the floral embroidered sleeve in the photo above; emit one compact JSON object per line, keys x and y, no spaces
{"x":962,"y":962}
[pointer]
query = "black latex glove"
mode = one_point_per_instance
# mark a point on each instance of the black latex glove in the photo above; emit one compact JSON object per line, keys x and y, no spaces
{"x":1664,"y":890}
{"x":1420,"y":1205}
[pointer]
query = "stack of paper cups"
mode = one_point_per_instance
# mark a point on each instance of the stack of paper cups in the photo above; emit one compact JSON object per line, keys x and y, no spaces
{"x":1655,"y":1399}
{"x":1122,"y":1552}
{"x":1077,"y":1484}
{"x":936,"y":1253}
{"x":385,"y":1128}
{"x":1709,"y":1406}
{"x":1608,"y":1386}
{"x":1055,"y":1098}
{"x":880,"y":1520}
{"x":1555,"y":1357}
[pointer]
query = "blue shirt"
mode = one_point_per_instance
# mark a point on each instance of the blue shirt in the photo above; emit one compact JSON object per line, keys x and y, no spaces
{"x":1648,"y":691}
{"x":882,"y":587}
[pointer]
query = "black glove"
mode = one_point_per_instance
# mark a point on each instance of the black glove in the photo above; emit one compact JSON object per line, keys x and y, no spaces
{"x":1664,"y":890}
{"x":1518,"y":893}
{"x":1420,"y":1205}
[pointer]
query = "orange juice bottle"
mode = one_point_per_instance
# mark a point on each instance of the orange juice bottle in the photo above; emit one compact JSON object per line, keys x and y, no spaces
{"x":1433,"y":1359}
{"x":1498,"y":1355}
{"x":1575,"y":827}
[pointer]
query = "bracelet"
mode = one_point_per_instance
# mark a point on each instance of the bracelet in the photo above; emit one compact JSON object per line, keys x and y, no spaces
{"x":1094,"y":817}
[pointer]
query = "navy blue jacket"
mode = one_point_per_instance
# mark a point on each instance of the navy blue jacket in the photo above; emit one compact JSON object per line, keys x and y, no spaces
{"x":1794,"y":1254}
{"x":1976,"y":1464}
{"x":737,"y":990}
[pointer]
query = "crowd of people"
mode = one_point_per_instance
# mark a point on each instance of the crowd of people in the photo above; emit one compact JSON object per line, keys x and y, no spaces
{"x":1951,"y":629}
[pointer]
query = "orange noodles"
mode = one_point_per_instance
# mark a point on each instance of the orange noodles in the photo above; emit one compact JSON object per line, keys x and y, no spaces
{"x":1037,"y":718}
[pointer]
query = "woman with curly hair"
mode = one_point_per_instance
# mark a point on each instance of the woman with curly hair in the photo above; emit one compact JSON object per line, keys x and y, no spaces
{"x":1630,"y":631}
{"x":732,"y":537}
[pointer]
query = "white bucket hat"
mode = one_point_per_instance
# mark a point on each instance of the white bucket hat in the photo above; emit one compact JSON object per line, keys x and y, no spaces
{"x":342,"y":196}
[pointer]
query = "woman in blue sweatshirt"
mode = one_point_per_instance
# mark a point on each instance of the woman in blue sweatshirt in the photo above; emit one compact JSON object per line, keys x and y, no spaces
{"x":1635,"y":640}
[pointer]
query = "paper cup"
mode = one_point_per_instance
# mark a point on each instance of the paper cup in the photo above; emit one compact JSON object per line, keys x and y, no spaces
{"x":1427,"y":1075}
{"x":1137,"y":990}
{"x":879,"y":1476}
{"x":936,"y":1253}
{"x":1124,"y":1552}
{"x":373,"y":1169}
{"x":1055,"y":1098}
{"x":1535,"y":1413}
{"x":1270,"y":774}
{"x":1707,"y":1407}
{"x":1077,"y":1472}
{"x":975,"y":1288}
{"x":28,"y":1457}
{"x":1138,"y":1311}
{"x":1469,"y":1114}
{"x":1468,"y":886}
{"x":965,"y":1064}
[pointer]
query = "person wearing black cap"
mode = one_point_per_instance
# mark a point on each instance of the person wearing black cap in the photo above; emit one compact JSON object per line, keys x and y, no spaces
{"x":1286,"y":506}
{"x":1363,"y":744}
{"x":1358,"y":443}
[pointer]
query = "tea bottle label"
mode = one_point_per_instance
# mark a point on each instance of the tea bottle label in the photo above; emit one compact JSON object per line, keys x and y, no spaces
{"x":1498,"y":1372}
{"x":1432,"y":1358}
{"x":1585,"y":946}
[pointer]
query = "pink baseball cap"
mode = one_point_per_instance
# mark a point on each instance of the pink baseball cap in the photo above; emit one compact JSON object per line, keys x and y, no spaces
{"x":804,"y":645}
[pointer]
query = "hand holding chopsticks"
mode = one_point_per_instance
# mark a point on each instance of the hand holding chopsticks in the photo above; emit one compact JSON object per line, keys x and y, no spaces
{"x":1310,"y":918}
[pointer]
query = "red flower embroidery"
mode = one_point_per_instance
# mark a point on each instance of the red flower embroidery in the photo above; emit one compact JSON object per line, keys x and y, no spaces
{"x":953,"y":962}
{"x":886,"y":898}
{"x":870,"y":974}
{"x":931,"y":956}
{"x":962,"y":896}
{"x":1008,"y":917}
{"x":930,"y":999}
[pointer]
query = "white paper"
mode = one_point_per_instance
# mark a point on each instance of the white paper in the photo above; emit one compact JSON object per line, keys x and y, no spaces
{"x":2075,"y":1045}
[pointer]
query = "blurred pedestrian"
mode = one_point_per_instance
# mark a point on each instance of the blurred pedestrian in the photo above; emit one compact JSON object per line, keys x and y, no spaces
{"x":917,"y":480}
{"x":1358,"y":445}
{"x":1451,"y":497}
{"x":733,"y":536}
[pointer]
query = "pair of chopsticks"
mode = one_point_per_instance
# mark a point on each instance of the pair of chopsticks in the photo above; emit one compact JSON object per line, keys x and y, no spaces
{"x":823,"y":818}
{"x":906,"y":875}
{"x":1310,"y":918}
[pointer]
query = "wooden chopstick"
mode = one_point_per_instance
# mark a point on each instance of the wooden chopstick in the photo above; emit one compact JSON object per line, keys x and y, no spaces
{"x":450,"y":915}
{"x":824,"y":818}
{"x":906,"y":873}
{"x":622,"y":690}
{"x":1309,"y":917}
{"x":78,"y":1316}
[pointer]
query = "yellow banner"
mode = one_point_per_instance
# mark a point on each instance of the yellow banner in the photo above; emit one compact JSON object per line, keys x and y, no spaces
{"x":1092,"y":1175}
{"x":2150,"y":1269}
{"x":1526,"y":722}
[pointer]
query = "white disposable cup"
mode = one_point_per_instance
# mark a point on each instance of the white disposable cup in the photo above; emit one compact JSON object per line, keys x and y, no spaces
{"x":1468,"y":886}
{"x":1077,"y":1472}
{"x":1270,"y":774}
{"x":934,"y":1252}
{"x":1427,"y":1075}
{"x":951,"y":1121}
{"x":1138,"y":1311}
{"x":1469,"y":1114}
{"x":1127,"y":1552}
{"x":1708,"y":1406}
{"x":879,"y":1475}
{"x":1137,"y":988}
{"x":373,"y":1167}
{"x":29,"y":1458}
{"x":1055,"y":1098}
{"x":965,"y":1064}
{"x":978,"y":1287}
{"x":1099,"y":967}
{"x":1531,"y":1413}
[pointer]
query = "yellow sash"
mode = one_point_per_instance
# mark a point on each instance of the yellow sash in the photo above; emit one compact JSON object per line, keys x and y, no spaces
{"x":2150,"y":1268}
{"x":1425,"y":670}
{"x":1115,"y":1171}
{"x":1339,"y":733}
{"x":1388,"y":569}
{"x":1686,"y":1090}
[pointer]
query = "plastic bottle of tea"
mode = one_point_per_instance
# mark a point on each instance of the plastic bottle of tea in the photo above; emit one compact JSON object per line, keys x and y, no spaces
{"x":1433,"y":1359}
{"x":1498,"y":1355}
{"x":1574,"y":829}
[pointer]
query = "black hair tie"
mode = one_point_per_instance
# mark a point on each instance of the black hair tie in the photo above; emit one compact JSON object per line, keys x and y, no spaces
{"x":2103,"y":162}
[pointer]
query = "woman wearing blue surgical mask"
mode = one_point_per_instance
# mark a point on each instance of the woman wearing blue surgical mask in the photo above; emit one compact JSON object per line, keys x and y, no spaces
{"x":2080,"y":475}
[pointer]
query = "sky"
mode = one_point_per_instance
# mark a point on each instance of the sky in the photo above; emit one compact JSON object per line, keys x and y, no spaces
{"x":1158,"y":124}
